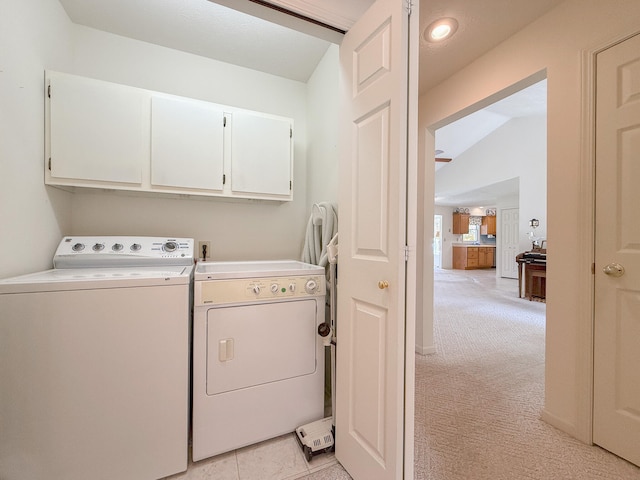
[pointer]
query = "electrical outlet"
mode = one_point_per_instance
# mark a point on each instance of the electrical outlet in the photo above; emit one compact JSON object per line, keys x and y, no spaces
{"x":204,"y":250}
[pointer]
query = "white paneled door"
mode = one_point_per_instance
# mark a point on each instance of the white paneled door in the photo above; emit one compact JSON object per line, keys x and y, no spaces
{"x":370,"y":405}
{"x":616,"y":422}
{"x":509,"y":241}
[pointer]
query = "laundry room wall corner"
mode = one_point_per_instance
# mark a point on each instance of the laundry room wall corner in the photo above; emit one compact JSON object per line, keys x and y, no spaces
{"x":34,"y":35}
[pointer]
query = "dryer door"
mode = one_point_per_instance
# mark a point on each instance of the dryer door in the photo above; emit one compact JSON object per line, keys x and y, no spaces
{"x":255,"y":344}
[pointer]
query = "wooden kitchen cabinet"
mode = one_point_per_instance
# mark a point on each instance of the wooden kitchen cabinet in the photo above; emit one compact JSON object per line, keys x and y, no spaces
{"x":460,"y":223}
{"x":488,"y":226}
{"x":467,"y":258}
{"x":485,"y":257}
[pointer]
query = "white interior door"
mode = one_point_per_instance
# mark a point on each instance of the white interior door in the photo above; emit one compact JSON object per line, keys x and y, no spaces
{"x":616,"y":422}
{"x":509,"y":242}
{"x":370,"y":388}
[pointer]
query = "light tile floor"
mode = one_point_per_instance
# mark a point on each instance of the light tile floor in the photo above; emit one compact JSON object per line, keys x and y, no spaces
{"x":280,"y":458}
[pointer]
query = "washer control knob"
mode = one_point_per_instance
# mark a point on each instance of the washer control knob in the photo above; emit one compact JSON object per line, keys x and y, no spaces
{"x":98,"y":247}
{"x":274,"y":288}
{"x":256,"y":289}
{"x":135,"y":247}
{"x":170,"y":247}
{"x":292,"y":287}
{"x":117,"y":247}
{"x":78,"y":247}
{"x":311,"y":286}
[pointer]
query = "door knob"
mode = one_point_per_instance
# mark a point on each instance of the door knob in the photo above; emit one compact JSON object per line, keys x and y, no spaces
{"x":614,"y":270}
{"x":382,"y":284}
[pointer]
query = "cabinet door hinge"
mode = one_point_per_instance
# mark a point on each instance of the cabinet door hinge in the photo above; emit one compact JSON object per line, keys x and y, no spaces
{"x":290,"y":185}
{"x":290,"y":132}
{"x":49,"y":91}
{"x":224,"y":122}
{"x":224,"y":179}
{"x":406,"y":253}
{"x":49,"y":163}
{"x":593,"y":269}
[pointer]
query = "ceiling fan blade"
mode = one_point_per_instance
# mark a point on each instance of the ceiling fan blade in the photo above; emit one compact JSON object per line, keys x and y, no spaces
{"x":440,"y":159}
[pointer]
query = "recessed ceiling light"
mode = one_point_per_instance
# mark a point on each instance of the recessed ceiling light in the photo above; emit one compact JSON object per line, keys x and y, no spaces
{"x":441,"y":30}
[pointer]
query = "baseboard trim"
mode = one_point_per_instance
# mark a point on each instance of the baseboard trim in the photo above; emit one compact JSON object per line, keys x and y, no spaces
{"x":560,"y":424}
{"x":425,"y":350}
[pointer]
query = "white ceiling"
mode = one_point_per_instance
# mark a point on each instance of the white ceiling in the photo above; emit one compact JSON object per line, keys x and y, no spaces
{"x":238,"y":32}
{"x":206,"y":29}
{"x":485,"y":196}
{"x":213,"y":29}
{"x":457,"y":137}
{"x":483,"y":24}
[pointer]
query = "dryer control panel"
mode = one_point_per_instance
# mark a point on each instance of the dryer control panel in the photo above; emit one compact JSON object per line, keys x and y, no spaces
{"x":216,"y":292}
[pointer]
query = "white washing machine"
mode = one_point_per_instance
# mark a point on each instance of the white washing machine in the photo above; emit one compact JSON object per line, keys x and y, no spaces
{"x":94,"y":362}
{"x":258,"y":361}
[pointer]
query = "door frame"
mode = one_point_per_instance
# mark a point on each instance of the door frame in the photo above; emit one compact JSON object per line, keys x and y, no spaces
{"x":586,"y":237}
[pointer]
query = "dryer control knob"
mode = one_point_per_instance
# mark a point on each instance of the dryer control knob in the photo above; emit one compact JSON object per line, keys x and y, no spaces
{"x":292,"y":287}
{"x":256,"y":289}
{"x":274,"y":288}
{"x":311,"y":286}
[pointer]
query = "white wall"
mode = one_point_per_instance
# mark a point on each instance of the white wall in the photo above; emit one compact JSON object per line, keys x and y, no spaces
{"x":557,"y":43}
{"x":33,"y":34}
{"x":323,"y":110}
{"x":237,"y":229}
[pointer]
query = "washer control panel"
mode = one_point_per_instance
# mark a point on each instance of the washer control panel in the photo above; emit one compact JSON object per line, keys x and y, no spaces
{"x":123,"y":251}
{"x":216,"y":292}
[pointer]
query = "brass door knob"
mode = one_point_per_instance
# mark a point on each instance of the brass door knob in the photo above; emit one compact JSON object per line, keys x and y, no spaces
{"x":382,"y":284}
{"x":614,"y":270}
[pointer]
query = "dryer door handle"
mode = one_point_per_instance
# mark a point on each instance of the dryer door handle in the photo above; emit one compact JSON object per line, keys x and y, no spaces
{"x":225,"y":350}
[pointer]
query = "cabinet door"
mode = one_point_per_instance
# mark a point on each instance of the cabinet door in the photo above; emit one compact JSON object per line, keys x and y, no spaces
{"x":488,"y":226}
{"x":490,"y":256}
{"x":482,"y":257}
{"x":459,"y":258}
{"x":261,"y":155}
{"x":96,"y":130}
{"x":186,"y":144}
{"x":460,"y":223}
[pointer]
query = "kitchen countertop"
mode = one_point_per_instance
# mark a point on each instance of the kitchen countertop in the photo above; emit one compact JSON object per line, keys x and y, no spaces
{"x":473,"y":245}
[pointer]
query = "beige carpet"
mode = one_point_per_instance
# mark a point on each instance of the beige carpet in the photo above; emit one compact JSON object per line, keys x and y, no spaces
{"x":479,"y":398}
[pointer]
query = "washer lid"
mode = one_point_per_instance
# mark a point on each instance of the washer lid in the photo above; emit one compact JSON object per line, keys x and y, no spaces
{"x":61,"y":279}
{"x":255,"y":269}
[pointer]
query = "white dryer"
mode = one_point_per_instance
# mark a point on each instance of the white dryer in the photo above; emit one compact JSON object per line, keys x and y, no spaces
{"x":258,"y":361}
{"x":94,"y":362}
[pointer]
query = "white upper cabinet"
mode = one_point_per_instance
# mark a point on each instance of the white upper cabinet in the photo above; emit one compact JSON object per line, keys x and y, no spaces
{"x":116,"y":137}
{"x":97,"y":130}
{"x":261,"y":150}
{"x":187,"y":144}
